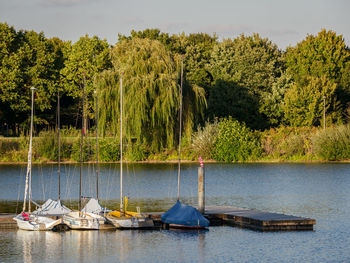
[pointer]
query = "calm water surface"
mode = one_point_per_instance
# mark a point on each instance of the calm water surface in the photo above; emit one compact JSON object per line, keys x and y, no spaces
{"x":320,"y":191}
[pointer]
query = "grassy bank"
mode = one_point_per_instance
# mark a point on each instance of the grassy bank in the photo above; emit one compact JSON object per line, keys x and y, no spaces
{"x":226,"y":141}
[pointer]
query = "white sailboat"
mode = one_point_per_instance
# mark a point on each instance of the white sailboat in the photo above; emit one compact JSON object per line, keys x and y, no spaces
{"x":52,"y":207}
{"x":93,"y":205}
{"x":83,"y":219}
{"x":27,"y":220}
{"x":123,"y":218}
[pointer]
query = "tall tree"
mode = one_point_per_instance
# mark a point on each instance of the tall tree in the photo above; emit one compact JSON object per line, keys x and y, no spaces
{"x":28,"y":59}
{"x":304,"y":104}
{"x":151,"y":92}
{"x":85,"y":58}
{"x":323,"y":55}
{"x":272,"y":102}
{"x":249,"y":62}
{"x":317,"y":56}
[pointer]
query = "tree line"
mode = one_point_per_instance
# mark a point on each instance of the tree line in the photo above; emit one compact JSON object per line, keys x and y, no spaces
{"x":247,"y":78}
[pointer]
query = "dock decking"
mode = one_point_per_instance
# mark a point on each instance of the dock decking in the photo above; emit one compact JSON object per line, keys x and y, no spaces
{"x":257,"y":220}
{"x":228,"y":215}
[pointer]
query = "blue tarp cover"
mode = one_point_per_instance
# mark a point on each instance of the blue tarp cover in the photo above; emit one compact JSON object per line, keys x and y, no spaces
{"x":184,"y":215}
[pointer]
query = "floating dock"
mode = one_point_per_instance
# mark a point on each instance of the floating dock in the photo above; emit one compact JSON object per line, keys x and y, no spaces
{"x":251,"y":219}
{"x":225,"y":215}
{"x":7,"y":222}
{"x":256,"y":220}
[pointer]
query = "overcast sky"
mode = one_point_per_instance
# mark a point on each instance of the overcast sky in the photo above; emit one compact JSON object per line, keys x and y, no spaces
{"x":283,"y":22}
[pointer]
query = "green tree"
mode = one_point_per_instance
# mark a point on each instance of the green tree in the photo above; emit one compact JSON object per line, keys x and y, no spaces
{"x":85,"y":58}
{"x":251,"y":63}
{"x":27,"y":59}
{"x":151,"y":93}
{"x":317,"y":56}
{"x":196,"y":49}
{"x":323,"y":55}
{"x":272,"y":102}
{"x":304,"y":103}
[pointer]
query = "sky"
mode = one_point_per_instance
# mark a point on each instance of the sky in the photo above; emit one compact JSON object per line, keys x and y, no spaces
{"x":283,"y":22}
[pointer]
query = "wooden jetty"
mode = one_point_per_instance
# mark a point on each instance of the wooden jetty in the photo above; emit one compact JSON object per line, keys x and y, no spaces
{"x":256,"y":220}
{"x":7,"y":222}
{"x":225,"y":215}
{"x":251,"y":219}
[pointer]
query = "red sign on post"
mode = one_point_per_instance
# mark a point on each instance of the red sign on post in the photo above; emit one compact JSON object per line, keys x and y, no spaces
{"x":201,"y":161}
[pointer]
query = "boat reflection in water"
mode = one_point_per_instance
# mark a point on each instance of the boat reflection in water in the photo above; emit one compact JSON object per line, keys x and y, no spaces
{"x":106,"y":246}
{"x":38,"y":246}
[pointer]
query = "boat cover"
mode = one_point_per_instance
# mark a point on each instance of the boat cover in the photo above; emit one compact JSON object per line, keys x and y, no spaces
{"x":184,"y":215}
{"x":94,"y":206}
{"x":52,"y":208}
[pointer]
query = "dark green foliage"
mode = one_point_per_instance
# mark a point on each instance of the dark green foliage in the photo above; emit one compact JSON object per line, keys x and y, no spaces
{"x":28,"y":59}
{"x":272,"y":103}
{"x":109,"y":150}
{"x":243,"y":69}
{"x":332,"y":144}
{"x":227,"y":98}
{"x":236,"y":142}
{"x":136,"y":152}
{"x":89,"y":150}
{"x":45,"y":146}
{"x":246,"y":77}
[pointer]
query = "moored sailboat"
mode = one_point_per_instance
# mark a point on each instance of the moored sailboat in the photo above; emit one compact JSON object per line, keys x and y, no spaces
{"x":124,"y":219}
{"x":27,"y":220}
{"x":83,"y":219}
{"x":180,"y":215}
{"x":52,"y":207}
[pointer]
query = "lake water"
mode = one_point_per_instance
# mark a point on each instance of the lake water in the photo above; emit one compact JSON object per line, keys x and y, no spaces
{"x":319,"y":191}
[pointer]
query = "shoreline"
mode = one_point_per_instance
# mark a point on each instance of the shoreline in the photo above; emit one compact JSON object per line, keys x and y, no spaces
{"x":182,"y":161}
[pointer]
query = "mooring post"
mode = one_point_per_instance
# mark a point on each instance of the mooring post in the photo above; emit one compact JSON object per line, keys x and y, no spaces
{"x":201,"y":183}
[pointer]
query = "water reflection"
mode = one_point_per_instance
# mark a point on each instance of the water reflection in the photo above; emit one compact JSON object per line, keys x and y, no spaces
{"x":190,"y":235}
{"x":38,"y":245}
{"x":319,"y":191}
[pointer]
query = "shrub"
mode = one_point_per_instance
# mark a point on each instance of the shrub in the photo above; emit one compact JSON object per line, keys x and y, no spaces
{"x":109,"y":150}
{"x":46,"y":145}
{"x":236,"y":142}
{"x":89,"y":149}
{"x":137,"y":152}
{"x":7,"y":145}
{"x":203,"y":141}
{"x":333,"y":143}
{"x":287,"y":142}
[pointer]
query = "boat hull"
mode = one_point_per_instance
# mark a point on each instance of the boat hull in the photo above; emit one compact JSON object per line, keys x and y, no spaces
{"x":130,"y":222}
{"x":83,"y":221}
{"x":37,"y":223}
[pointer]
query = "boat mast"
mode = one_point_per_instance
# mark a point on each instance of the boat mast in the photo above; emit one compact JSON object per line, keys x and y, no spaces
{"x":81,"y":142}
{"x":179,"y":163}
{"x":29,"y":167}
{"x":59,"y":144}
{"x":97,"y":164}
{"x":121,"y":144}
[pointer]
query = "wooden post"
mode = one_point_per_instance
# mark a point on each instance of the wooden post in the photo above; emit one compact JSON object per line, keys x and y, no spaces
{"x":201,"y":195}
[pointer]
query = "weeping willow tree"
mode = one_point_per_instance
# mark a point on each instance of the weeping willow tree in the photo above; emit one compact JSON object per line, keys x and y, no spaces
{"x":150,"y":93}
